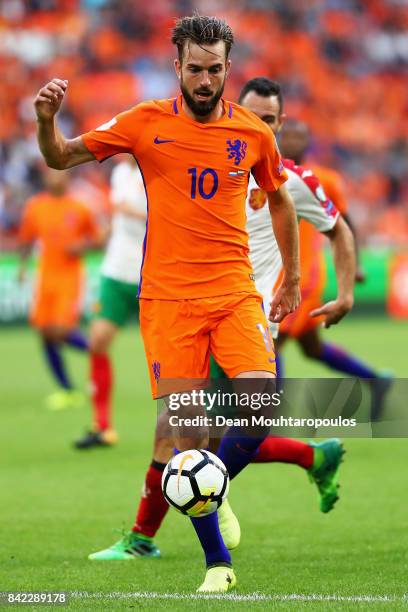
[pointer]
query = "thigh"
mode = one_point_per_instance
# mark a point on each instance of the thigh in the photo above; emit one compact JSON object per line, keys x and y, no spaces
{"x":176,"y":343}
{"x":42,"y":307}
{"x":67,"y":306}
{"x":242,"y":341}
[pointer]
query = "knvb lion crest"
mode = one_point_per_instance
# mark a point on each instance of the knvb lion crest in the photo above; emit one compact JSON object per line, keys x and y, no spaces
{"x":236,"y":150}
{"x":156,"y":370}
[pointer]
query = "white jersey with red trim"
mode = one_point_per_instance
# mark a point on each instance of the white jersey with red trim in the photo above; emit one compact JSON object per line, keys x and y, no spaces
{"x":123,"y":257}
{"x":311,"y":204}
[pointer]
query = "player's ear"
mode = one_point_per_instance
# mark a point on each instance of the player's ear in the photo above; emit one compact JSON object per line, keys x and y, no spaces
{"x":177,"y":68}
{"x":228,"y":67}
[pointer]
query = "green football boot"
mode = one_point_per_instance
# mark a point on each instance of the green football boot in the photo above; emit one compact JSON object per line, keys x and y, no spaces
{"x":325,"y":471}
{"x":131,"y":546}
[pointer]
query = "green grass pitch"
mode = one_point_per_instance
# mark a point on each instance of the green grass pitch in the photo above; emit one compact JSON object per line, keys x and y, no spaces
{"x":58,"y":505}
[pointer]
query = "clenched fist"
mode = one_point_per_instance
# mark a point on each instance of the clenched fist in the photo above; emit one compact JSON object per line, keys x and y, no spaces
{"x":49,"y":99}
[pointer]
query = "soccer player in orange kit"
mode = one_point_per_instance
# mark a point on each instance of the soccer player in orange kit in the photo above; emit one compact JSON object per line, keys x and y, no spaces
{"x":321,"y":460}
{"x":65,"y":229}
{"x":294,"y":142}
{"x":197,"y":294}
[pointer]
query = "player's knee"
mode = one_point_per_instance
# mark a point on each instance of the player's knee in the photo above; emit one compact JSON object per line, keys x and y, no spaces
{"x":99,"y":345}
{"x":52,"y":334}
{"x":312,"y":351}
{"x":186,"y":442}
{"x":100,"y":341}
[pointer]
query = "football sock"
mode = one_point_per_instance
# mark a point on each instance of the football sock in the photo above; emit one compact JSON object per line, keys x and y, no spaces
{"x":56,"y":363}
{"x":237,"y":451}
{"x":338,"y":359}
{"x":77,"y":339}
{"x":152,"y":507}
{"x":285,"y":450}
{"x":280,"y":370}
{"x":102,"y":380}
{"x":208,"y":531}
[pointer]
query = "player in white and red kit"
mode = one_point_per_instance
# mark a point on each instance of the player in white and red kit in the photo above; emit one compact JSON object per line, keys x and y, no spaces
{"x":311,"y":204}
{"x":294,"y":143}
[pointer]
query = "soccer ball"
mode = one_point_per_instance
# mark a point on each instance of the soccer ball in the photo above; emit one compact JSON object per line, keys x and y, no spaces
{"x":195,"y":482}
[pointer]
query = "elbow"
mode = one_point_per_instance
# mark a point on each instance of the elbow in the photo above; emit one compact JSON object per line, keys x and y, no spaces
{"x":54,"y":159}
{"x":341,"y":231}
{"x":56,"y":164}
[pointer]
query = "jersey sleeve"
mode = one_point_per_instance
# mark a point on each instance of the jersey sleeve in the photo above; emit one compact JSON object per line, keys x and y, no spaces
{"x":119,"y":135}
{"x":312,"y":203}
{"x":269,"y":172}
{"x":28,"y":227}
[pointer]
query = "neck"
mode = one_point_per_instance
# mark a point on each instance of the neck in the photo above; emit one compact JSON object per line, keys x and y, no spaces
{"x":216,"y":114}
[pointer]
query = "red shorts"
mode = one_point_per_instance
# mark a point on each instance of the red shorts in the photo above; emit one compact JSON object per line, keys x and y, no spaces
{"x":180,"y":335}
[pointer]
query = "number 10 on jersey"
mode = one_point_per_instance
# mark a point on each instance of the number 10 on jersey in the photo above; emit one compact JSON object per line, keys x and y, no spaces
{"x":207,"y":190}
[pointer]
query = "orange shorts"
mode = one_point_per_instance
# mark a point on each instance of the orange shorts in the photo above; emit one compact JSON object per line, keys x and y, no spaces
{"x":180,"y":335}
{"x":56,"y":306}
{"x":300,"y":322}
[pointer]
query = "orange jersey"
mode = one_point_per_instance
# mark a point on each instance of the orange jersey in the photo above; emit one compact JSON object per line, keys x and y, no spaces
{"x":313,"y":269}
{"x":196,"y":178}
{"x":57,"y":223}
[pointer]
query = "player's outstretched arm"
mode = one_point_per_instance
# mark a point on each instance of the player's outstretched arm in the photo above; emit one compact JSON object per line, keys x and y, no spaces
{"x":360,"y":274}
{"x":342,"y":243}
{"x":59,"y":152}
{"x":285,"y":227}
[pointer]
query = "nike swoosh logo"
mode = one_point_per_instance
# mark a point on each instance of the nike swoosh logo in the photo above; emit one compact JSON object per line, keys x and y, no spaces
{"x":182,"y":462}
{"x":158,"y":140}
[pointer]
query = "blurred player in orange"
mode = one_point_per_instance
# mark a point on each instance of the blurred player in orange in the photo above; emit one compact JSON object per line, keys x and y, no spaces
{"x":118,"y":301}
{"x":302,"y":325}
{"x":64,"y":229}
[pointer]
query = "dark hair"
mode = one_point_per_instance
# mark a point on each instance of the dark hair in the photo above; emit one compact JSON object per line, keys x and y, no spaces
{"x":263,"y":87}
{"x":202,"y":31}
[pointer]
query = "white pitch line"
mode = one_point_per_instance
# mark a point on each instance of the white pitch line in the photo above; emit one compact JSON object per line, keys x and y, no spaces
{"x":244,"y":597}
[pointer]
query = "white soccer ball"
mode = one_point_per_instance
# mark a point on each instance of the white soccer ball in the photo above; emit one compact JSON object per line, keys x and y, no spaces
{"x":195,"y":482}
